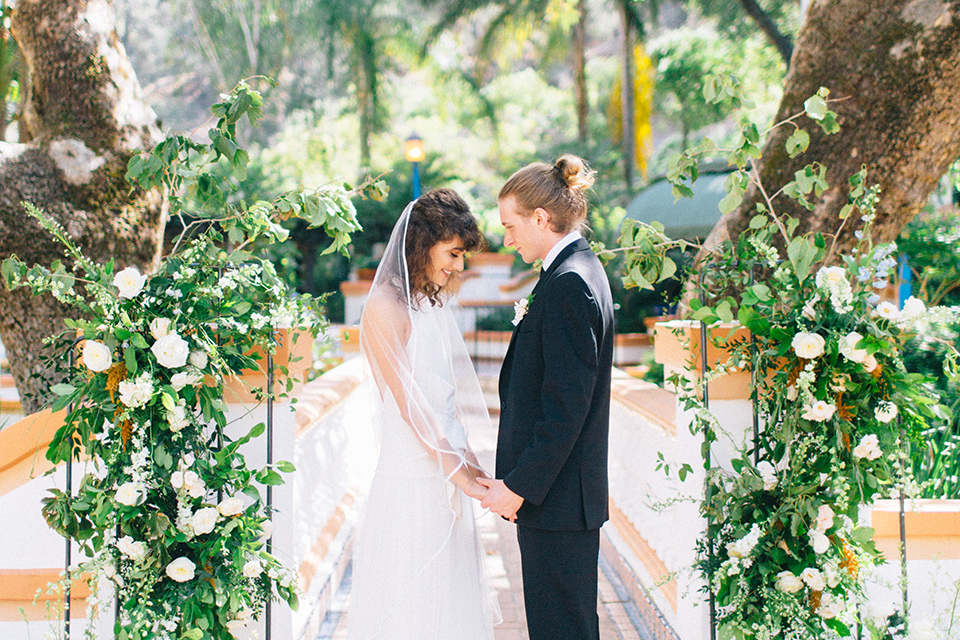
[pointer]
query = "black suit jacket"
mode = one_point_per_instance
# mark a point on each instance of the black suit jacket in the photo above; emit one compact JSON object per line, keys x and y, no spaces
{"x":555,"y":397}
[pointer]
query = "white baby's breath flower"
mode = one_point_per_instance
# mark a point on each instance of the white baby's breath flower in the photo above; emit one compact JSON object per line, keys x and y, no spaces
{"x":204,"y":520}
{"x":788,"y":583}
{"x":813,"y":579}
{"x":848,"y":347}
{"x":96,"y":356}
{"x":181,"y":570}
{"x":129,"y":283}
{"x":808,"y":345}
{"x":171,"y":351}
{"x":159,"y":327}
{"x":230,"y":507}
{"x":885,"y":412}
{"x":819,"y":411}
{"x":129,"y":494}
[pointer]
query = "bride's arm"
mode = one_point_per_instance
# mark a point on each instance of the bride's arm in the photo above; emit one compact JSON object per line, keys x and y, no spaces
{"x":384,"y":334}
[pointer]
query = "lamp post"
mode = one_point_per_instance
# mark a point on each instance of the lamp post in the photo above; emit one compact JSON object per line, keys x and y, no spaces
{"x":414,"y":153}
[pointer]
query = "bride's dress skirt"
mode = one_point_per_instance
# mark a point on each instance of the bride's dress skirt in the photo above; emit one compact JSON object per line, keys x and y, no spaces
{"x":418,"y":562}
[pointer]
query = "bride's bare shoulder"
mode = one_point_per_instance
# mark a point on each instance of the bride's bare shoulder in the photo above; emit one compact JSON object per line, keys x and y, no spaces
{"x":383,"y":310}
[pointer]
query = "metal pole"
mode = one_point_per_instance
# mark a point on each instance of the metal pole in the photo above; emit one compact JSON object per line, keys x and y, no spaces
{"x":903,"y":534}
{"x":416,"y":180}
{"x":67,"y":553}
{"x":753,"y":383}
{"x":268,"y":609}
{"x":706,"y":462}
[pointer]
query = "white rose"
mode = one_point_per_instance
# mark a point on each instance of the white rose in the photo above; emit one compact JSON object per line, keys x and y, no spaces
{"x":130,"y":548}
{"x":808,"y":345}
{"x":819,"y":541}
{"x":198,"y":359}
{"x":136,"y":393}
{"x":868,"y":448}
{"x":204,"y":520}
{"x":768,"y":474}
{"x":171,"y":351}
{"x":825,"y":517}
{"x":181,"y":570}
{"x":129,"y":494}
{"x":252,"y":569}
{"x":848,"y":345}
{"x":788,"y":583}
{"x":887,"y":311}
{"x":185,"y":379}
{"x":792,"y":393}
{"x":176,"y":479}
{"x":129,"y":283}
{"x":886,"y":412}
{"x":831,"y":277}
{"x":178,"y":418}
{"x":267,"y":529}
{"x":830,"y":606}
{"x":813,"y":579}
{"x":870,"y":363}
{"x":913,"y":308}
{"x":159,"y":327}
{"x":96,"y":356}
{"x":819,"y":411}
{"x":230,"y":507}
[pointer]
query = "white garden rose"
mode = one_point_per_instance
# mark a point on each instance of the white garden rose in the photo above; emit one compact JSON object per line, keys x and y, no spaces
{"x":819,"y":411}
{"x":134,"y":550}
{"x":819,"y":541}
{"x":788,"y":583}
{"x":912,"y":310}
{"x":808,"y":345}
{"x":96,"y":356}
{"x":136,"y":393}
{"x":869,"y":448}
{"x":204,"y":520}
{"x":129,"y":494}
{"x":813,"y":579}
{"x":198,"y":359}
{"x":870,"y":363}
{"x":825,"y":516}
{"x":159,"y":327}
{"x":230,"y":507}
{"x":183,"y":379}
{"x":178,"y":418}
{"x":886,"y":412}
{"x":831,"y":277}
{"x":129,"y":283}
{"x":176,"y":479}
{"x":848,"y":347}
{"x":887,"y":311}
{"x":830,"y":606}
{"x":768,"y":474}
{"x":181,"y":570}
{"x":171,"y":351}
{"x":252,"y":569}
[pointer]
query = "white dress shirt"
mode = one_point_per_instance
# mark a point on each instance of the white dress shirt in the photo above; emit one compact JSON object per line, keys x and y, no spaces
{"x":568,"y":239}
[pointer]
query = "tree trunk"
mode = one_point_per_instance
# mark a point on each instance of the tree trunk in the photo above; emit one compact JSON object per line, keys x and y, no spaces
{"x":769,"y":28}
{"x":628,"y":98}
{"x":580,"y":71}
{"x":84,"y":119}
{"x":896,"y":66}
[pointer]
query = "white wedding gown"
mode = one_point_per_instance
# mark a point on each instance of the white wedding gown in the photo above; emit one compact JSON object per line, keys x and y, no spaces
{"x":418,"y":562}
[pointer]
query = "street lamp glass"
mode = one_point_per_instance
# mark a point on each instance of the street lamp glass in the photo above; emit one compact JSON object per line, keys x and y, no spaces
{"x":413,"y":148}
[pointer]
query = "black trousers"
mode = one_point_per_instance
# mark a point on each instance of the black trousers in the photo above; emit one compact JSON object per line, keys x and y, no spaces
{"x":560,"y":583}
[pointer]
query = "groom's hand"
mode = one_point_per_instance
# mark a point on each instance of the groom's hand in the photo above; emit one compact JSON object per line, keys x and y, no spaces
{"x":500,"y":499}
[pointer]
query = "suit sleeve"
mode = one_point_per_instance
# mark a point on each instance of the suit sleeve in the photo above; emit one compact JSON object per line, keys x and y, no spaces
{"x":570,"y":358}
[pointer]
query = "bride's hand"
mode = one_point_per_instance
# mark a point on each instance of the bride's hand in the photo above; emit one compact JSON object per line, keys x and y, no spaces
{"x":475,"y":490}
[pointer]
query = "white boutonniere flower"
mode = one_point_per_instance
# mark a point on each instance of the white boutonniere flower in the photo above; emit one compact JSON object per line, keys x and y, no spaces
{"x":520,"y":308}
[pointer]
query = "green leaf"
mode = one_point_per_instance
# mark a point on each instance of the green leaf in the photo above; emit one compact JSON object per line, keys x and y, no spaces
{"x":730,"y":202}
{"x":138,"y":341}
{"x":815,"y":107}
{"x":270,"y":477}
{"x":798,"y":142}
{"x":63,"y":389}
{"x":285,"y":466}
{"x":130,"y":359}
{"x":862,"y":535}
{"x":758,"y":222}
{"x":168,"y":402}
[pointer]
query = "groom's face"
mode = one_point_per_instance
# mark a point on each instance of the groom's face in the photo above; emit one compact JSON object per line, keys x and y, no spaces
{"x":521,"y":232}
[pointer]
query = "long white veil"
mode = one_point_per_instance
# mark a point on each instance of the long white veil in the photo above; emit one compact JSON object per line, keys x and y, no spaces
{"x":414,"y":370}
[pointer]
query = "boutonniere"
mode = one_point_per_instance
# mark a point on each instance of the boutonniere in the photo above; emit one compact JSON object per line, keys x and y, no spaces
{"x":520,"y":308}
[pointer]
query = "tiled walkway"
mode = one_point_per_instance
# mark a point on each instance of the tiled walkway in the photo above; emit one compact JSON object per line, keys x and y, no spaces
{"x":618,"y":616}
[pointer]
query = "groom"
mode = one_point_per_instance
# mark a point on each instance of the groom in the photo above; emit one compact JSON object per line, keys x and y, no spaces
{"x":555,"y":403}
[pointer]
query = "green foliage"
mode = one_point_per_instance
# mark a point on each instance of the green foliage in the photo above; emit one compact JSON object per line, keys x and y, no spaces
{"x":930,"y":243}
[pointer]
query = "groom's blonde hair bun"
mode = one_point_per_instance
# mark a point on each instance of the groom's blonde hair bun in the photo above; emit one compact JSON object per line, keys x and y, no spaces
{"x":558,"y":188}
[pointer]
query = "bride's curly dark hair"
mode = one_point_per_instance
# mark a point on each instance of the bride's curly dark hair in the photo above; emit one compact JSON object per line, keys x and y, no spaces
{"x":438,"y":216}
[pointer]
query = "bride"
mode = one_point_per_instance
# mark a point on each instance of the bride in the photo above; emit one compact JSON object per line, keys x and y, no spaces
{"x":418,"y":572}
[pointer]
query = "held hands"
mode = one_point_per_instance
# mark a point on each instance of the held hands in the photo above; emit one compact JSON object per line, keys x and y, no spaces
{"x":500,"y":499}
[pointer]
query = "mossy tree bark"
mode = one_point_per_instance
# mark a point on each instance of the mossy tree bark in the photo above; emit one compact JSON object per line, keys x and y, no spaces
{"x":896,"y":65}
{"x":83,"y":118}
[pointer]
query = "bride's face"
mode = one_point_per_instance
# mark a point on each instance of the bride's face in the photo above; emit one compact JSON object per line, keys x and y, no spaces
{"x":446,"y":258}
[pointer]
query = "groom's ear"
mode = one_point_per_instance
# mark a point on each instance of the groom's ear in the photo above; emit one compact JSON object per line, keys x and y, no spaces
{"x":542,"y":217}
